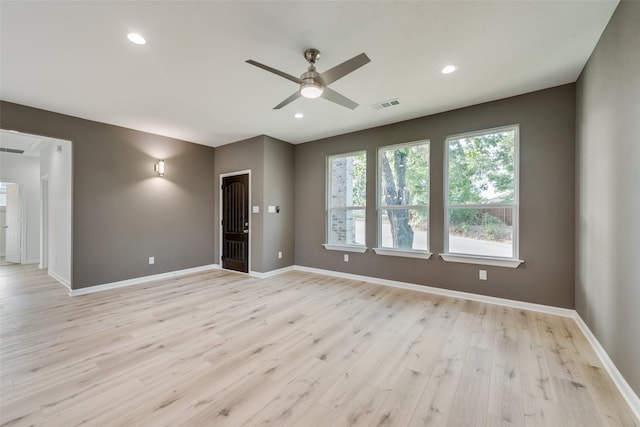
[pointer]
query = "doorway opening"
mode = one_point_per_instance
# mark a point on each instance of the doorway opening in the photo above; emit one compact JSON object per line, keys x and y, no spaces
{"x":42,"y":167}
{"x":11,"y":223}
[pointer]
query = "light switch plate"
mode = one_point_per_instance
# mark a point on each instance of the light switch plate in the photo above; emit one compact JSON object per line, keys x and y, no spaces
{"x":272,"y":209}
{"x":255,"y":209}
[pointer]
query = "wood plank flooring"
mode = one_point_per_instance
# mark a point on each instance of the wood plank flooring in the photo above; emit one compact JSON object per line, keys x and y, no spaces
{"x":223,"y":349}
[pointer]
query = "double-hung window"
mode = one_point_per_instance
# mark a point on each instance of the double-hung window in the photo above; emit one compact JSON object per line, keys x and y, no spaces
{"x":346,"y":201}
{"x":403,"y":200}
{"x":481,"y":197}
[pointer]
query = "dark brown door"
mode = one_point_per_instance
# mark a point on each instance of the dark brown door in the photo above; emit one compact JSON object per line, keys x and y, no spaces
{"x":235,"y":223}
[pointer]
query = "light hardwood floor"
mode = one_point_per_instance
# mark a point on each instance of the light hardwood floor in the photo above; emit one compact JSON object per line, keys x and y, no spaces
{"x":223,"y":349}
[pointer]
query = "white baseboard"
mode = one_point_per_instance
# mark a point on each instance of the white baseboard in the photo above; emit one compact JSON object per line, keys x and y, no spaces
{"x":31,"y":261}
{"x":60,"y":279}
{"x":565,"y":312}
{"x":139,"y":280}
{"x":625,"y":389}
{"x":272,"y":272}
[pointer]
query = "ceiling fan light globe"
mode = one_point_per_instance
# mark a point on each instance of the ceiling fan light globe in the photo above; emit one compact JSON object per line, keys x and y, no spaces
{"x":311,"y":90}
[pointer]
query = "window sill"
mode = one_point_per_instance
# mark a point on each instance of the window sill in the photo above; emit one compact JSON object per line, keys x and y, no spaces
{"x":345,"y":248}
{"x":473,"y":259}
{"x":402,"y":253}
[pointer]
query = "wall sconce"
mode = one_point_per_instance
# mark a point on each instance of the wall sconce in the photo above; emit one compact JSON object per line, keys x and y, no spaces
{"x":159,"y":167}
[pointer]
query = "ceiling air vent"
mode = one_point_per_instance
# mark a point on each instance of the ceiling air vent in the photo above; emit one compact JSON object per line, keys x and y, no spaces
{"x":11,"y":150}
{"x":386,"y":104}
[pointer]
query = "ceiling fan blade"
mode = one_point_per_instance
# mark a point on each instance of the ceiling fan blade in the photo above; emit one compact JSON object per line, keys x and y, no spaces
{"x":289,"y":100}
{"x":343,"y":69}
{"x":274,"y":71}
{"x":333,"y":96}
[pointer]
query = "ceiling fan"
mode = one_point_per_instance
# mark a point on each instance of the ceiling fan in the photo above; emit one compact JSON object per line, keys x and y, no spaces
{"x":314,"y":84}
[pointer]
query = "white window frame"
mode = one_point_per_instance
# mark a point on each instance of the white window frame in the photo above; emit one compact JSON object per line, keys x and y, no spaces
{"x":407,"y":253}
{"x":328,"y":191}
{"x":510,"y":262}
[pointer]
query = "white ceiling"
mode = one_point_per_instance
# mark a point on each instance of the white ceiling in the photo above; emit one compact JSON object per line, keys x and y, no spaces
{"x":190,"y":81}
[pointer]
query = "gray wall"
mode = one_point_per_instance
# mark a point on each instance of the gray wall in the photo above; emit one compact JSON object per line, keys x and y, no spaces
{"x":608,"y":227}
{"x":547,"y":186}
{"x":272,"y":173}
{"x":122,"y":211}
{"x":278,"y":191}
{"x":240,"y":156}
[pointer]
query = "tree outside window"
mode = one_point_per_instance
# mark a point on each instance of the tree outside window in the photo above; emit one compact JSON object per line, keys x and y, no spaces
{"x":403,"y":188}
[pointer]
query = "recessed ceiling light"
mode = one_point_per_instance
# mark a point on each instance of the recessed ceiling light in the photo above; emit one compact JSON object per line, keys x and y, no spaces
{"x":449,"y":69}
{"x":298,"y":115}
{"x":136,"y":38}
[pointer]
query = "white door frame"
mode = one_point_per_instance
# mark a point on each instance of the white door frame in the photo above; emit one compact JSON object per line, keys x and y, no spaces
{"x":21,"y":223}
{"x":44,"y":222}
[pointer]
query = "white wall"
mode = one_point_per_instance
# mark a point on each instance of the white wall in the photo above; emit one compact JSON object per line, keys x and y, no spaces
{"x":55,"y":167}
{"x":25,"y":171}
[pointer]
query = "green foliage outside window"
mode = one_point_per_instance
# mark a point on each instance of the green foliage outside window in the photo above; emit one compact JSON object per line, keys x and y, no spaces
{"x":359,"y":179}
{"x":481,"y":172}
{"x":481,"y":169}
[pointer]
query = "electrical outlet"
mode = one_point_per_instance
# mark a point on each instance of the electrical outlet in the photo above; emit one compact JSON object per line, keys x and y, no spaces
{"x":152,"y":260}
{"x":346,"y":257}
{"x":482,"y":274}
{"x":280,"y":255}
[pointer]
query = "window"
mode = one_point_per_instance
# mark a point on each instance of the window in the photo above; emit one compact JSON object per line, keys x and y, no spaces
{"x":481,"y":197}
{"x":403,"y":200}
{"x":346,"y":200}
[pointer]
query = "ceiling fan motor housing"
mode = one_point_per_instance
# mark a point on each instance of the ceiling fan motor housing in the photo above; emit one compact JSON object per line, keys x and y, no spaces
{"x":311,"y":85}
{"x":311,"y":88}
{"x":311,"y":76}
